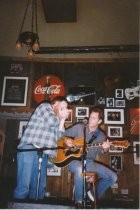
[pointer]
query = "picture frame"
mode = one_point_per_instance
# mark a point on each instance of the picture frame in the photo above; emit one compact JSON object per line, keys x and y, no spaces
{"x":70,"y":116}
{"x":14,"y":92}
{"x":116,"y":162}
{"x":109,"y":102}
{"x":120,"y":103}
{"x":82,"y":112}
{"x":119,"y":93}
{"x":136,"y":152}
{"x":22,"y":126}
{"x":113,"y":149}
{"x":114,"y":131}
{"x":53,"y":170}
{"x":113,"y":116}
{"x":80,"y":119}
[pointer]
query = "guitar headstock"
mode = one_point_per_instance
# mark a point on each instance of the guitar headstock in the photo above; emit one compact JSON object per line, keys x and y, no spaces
{"x":122,"y":143}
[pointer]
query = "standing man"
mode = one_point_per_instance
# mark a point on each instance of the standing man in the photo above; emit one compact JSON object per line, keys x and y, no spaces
{"x":92,"y":134}
{"x":44,"y":128}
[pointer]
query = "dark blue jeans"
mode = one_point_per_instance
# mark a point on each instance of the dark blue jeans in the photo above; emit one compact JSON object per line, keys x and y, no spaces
{"x":27,"y":175}
{"x":107,"y":177}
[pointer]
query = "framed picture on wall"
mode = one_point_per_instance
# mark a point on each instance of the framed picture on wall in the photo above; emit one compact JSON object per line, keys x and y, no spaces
{"x":116,"y":162}
{"x":114,"y":116}
{"x":120,"y":103}
{"x":109,"y":102}
{"x":82,"y":112}
{"x":69,"y":119}
{"x":14,"y":91}
{"x":80,"y":119}
{"x":136,"y":152}
{"x":22,"y":126}
{"x":114,"y":131}
{"x":53,"y":170}
{"x":119,"y":93}
{"x":113,"y":149}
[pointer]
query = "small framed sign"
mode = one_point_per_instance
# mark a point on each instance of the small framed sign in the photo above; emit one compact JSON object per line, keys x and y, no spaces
{"x":14,"y":91}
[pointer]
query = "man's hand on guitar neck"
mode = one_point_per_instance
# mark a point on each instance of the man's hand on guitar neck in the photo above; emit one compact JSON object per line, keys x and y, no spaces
{"x":68,"y":141}
{"x":106,"y":145}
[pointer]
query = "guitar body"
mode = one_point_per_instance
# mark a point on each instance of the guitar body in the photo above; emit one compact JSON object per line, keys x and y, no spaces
{"x":66,"y":155}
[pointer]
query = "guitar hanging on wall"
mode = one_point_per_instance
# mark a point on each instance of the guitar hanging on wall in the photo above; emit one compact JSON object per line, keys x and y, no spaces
{"x":66,"y":154}
{"x":71,"y":97}
{"x":132,"y":93}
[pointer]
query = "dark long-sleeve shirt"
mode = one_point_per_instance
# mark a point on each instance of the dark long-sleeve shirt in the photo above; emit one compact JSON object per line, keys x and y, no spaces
{"x":77,"y":131}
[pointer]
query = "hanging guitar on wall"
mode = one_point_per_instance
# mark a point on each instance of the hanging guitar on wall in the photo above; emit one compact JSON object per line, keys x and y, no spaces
{"x":132,"y":93}
{"x":71,"y":97}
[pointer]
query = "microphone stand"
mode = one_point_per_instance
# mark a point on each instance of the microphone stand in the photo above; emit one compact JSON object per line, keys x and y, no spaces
{"x":84,"y":168}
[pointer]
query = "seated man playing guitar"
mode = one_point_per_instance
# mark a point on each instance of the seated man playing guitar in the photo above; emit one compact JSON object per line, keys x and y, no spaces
{"x":92,"y":134}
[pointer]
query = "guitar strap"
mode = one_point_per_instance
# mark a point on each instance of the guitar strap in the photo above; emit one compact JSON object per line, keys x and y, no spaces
{"x":94,"y":136}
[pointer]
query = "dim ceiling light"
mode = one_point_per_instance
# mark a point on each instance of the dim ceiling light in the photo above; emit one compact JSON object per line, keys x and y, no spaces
{"x":30,"y":37}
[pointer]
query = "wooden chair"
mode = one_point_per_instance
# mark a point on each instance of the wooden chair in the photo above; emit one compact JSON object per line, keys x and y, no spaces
{"x":91,"y":179}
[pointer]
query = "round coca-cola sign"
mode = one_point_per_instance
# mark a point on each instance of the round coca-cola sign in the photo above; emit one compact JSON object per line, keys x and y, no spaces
{"x":47,"y":88}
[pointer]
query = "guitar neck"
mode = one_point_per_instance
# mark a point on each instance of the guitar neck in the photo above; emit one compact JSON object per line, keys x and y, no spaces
{"x":88,"y":94}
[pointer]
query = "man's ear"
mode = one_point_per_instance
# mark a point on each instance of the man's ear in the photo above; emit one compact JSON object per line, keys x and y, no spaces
{"x":100,"y":121}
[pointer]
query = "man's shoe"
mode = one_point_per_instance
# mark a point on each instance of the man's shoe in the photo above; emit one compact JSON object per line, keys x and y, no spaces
{"x":90,"y":194}
{"x":78,"y":205}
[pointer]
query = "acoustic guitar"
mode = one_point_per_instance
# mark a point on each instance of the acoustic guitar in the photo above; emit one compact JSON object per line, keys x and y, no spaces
{"x":66,"y":154}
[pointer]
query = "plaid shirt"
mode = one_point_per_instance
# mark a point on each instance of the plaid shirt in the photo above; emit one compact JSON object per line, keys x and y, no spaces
{"x":42,"y":129}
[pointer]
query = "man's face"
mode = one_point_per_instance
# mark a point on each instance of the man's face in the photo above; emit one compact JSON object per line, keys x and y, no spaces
{"x":61,"y":109}
{"x":94,"y":120}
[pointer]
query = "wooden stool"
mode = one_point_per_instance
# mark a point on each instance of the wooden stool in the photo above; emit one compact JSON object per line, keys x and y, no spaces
{"x":91,"y":178}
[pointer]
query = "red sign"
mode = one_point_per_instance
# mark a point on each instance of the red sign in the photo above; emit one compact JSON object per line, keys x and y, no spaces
{"x":47,"y":88}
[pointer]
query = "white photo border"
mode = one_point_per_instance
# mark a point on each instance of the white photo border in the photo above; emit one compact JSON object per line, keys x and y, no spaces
{"x":53,"y":170}
{"x":116,"y":162}
{"x":113,"y":149}
{"x":5,"y":83}
{"x":115,"y":127}
{"x":119,"y":93}
{"x":108,"y":100}
{"x":136,"y":156}
{"x":70,"y":116}
{"x":22,"y":125}
{"x":79,"y":109}
{"x":113,"y":111}
{"x":120,"y":103}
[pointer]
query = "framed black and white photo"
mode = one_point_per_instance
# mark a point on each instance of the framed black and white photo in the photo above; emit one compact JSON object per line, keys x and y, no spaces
{"x":120,"y":103}
{"x":115,"y":131}
{"x":136,"y":152}
{"x":14,"y":91}
{"x":114,"y":116}
{"x":116,"y":162}
{"x":119,"y":93}
{"x":82,"y":112}
{"x":22,"y":126}
{"x":69,"y":119}
{"x":109,"y":102}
